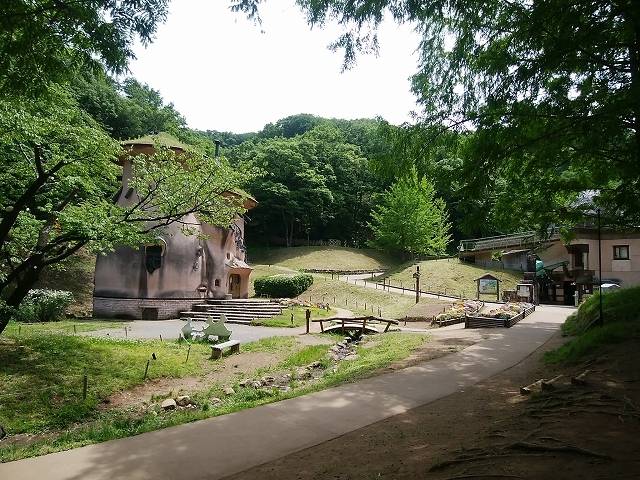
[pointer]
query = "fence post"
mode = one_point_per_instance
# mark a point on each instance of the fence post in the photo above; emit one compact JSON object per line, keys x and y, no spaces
{"x":85,"y":384}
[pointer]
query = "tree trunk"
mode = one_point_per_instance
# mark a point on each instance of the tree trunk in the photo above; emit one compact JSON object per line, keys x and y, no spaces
{"x":23,"y":285}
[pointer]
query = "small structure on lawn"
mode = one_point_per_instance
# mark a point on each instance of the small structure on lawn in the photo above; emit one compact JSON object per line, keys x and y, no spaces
{"x":487,"y":284}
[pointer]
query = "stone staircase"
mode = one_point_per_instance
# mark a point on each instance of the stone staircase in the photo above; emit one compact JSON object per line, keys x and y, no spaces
{"x":237,"y":311}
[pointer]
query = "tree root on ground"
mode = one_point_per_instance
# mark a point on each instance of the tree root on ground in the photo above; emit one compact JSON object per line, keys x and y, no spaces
{"x":534,"y":447}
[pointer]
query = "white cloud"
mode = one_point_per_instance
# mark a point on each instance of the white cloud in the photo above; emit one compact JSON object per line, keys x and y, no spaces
{"x":225,"y":73}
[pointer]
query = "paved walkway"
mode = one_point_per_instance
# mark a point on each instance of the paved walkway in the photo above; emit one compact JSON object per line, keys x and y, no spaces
{"x":221,"y":446}
{"x":170,"y":330}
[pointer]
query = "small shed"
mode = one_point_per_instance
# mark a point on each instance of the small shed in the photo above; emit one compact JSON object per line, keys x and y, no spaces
{"x":488,"y":284}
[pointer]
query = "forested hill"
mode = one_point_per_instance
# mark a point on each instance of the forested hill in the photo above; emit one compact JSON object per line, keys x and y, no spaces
{"x":316,"y":179}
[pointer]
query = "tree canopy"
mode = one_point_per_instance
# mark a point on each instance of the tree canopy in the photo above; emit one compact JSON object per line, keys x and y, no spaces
{"x":44,"y":41}
{"x":410,"y":219}
{"x":548,"y":93}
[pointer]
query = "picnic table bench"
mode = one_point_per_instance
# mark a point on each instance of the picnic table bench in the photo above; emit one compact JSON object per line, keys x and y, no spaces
{"x":356,"y":325}
{"x":218,"y":348}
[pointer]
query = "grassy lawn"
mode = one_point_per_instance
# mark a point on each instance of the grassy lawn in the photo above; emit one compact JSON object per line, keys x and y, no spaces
{"x":622,"y":323}
{"x":63,"y":326}
{"x":354,"y":297}
{"x":452,"y":276}
{"x":299,"y":317}
{"x":327,"y":258}
{"x":41,"y":376}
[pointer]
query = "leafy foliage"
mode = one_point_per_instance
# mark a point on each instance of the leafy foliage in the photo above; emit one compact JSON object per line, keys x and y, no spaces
{"x":61,"y":178}
{"x":548,"y":93}
{"x":411,"y":219}
{"x":283,"y":286}
{"x":41,"y":305}
{"x":44,"y":41}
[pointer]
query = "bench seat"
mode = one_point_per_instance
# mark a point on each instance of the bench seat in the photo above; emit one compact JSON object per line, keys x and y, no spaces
{"x":217,"y":349}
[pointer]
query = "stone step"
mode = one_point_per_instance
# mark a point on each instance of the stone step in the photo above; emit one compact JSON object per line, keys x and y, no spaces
{"x":228,"y":315}
{"x":237,"y":308}
{"x":240,"y":301}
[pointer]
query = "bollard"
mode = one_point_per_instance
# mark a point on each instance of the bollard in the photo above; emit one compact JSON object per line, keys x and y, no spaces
{"x":85,"y":384}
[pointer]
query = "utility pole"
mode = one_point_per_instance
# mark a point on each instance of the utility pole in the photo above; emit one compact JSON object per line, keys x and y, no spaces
{"x":417,"y":277}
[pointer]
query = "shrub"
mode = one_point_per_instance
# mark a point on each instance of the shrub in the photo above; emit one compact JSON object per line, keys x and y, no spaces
{"x":283,"y":286}
{"x":41,"y":305}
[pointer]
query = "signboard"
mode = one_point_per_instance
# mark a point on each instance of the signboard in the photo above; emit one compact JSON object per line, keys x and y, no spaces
{"x":524,"y":291}
{"x":487,"y":285}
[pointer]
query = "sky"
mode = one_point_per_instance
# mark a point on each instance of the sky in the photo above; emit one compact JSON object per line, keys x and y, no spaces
{"x":223,"y":72}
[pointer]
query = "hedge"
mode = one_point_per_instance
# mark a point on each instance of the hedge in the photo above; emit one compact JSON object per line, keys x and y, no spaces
{"x":283,"y":286}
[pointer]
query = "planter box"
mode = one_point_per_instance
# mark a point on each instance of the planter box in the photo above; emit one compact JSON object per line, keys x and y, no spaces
{"x":490,"y":322}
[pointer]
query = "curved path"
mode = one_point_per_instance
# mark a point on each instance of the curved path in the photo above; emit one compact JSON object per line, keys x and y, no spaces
{"x":221,"y":446}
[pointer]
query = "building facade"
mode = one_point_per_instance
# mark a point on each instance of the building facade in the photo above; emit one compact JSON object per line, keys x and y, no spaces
{"x":562,"y":268}
{"x":158,"y":280}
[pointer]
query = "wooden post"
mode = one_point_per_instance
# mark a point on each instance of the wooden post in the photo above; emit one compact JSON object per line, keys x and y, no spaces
{"x":146,"y":370}
{"x":308,"y":317}
{"x":74,"y":329}
{"x":291,"y":318}
{"x":160,"y":337}
{"x":417,"y":277}
{"x":85,"y":384}
{"x":188,"y":352}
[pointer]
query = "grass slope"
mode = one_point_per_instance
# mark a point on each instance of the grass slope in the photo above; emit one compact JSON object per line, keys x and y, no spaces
{"x":299,"y":317}
{"x":42,"y":379}
{"x":326,"y":258}
{"x":622,"y":323}
{"x":452,"y":275}
{"x":354,"y":297}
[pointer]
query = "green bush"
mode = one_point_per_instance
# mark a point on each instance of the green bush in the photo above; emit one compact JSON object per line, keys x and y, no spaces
{"x":283,"y":286}
{"x":41,"y":305}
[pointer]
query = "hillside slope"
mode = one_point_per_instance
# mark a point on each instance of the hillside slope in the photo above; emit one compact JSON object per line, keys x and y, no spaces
{"x":321,"y":258}
{"x":453,"y":276}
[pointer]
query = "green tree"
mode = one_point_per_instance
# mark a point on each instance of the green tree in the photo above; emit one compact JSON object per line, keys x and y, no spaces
{"x":411,"y":220}
{"x":44,"y":41}
{"x":60,"y":184}
{"x":551,"y":90}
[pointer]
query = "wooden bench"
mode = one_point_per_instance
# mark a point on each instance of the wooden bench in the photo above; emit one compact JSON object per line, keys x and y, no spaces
{"x":217,"y":349}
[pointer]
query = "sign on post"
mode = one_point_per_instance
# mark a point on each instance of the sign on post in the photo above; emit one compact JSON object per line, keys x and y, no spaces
{"x":487,"y":284}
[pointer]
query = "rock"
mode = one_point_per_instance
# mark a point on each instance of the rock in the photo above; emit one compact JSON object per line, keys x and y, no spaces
{"x":303,"y":373}
{"x":284,"y":388}
{"x":245,"y":382}
{"x":228,"y":391}
{"x":351,"y":356}
{"x":285,"y":379}
{"x":268,"y":380}
{"x":315,"y":364}
{"x":256,"y":384}
{"x":183,"y":400}
{"x":169,"y":404}
{"x":216,"y":401}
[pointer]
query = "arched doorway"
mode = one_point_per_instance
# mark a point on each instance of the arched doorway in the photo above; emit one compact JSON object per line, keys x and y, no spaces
{"x":234,"y":285}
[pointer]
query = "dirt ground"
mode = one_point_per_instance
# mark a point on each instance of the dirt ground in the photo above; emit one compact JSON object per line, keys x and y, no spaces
{"x":490,"y":431}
